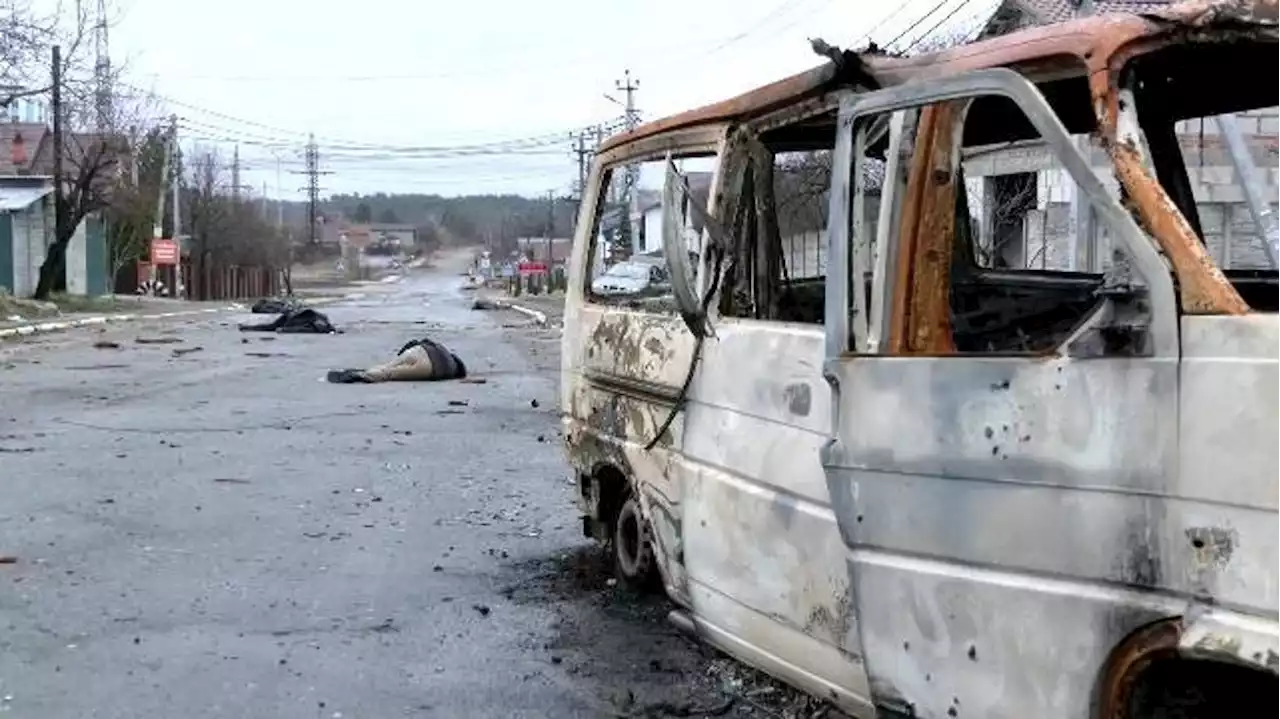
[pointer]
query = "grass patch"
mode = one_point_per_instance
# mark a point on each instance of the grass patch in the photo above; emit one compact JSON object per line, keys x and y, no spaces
{"x":76,"y":303}
{"x":11,"y":306}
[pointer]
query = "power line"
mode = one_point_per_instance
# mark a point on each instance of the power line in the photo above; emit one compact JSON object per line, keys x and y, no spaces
{"x":919,"y":21}
{"x":940,"y":23}
{"x":681,"y":55}
{"x":338,"y":143}
{"x":883,"y":21}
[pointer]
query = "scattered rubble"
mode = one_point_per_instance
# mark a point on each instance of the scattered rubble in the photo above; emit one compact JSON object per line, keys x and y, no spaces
{"x":158,"y":340}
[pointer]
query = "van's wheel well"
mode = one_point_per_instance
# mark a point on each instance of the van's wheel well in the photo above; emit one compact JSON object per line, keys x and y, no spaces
{"x":1146,"y":678}
{"x":1179,"y":688}
{"x":629,"y":543}
{"x":613,"y":488}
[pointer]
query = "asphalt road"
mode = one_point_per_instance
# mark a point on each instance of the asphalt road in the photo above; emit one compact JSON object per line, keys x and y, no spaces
{"x":200,"y":526}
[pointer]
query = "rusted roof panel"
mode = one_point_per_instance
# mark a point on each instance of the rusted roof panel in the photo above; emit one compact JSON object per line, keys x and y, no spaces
{"x":1036,"y":51}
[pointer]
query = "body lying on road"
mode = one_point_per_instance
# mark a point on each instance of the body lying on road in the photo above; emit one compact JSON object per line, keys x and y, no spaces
{"x":420,"y":360}
{"x":304,"y":320}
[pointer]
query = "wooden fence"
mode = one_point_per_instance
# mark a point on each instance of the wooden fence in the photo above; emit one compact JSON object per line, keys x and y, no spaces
{"x":207,"y":282}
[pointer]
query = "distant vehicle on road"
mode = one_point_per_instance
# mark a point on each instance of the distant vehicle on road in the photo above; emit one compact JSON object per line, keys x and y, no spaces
{"x":631,"y":279}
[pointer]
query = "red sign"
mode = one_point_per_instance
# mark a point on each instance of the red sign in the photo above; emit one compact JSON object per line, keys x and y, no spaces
{"x":164,"y":252}
{"x":528,"y":268}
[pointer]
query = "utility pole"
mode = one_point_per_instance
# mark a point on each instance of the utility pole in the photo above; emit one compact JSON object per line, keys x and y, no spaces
{"x":279,"y":197}
{"x":313,"y":190}
{"x":580,"y":191}
{"x":102,"y":70}
{"x":175,"y":184}
{"x":631,"y":119}
{"x":235,"y":174}
{"x":582,"y":153}
{"x":629,"y":87}
{"x":59,"y":196}
{"x":551,"y":225}
{"x":313,"y":173}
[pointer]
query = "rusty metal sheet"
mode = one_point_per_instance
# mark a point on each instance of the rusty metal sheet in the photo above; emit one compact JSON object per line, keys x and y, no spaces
{"x":1202,"y":287}
{"x":922,"y":312}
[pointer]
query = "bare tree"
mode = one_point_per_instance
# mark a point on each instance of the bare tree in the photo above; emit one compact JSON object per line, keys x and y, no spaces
{"x":227,"y":230}
{"x":94,"y":165}
{"x":135,"y":200}
{"x":92,"y":156}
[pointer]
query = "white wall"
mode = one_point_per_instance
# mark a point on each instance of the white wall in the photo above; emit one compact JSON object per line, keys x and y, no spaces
{"x":29,"y":242}
{"x":77,"y":263}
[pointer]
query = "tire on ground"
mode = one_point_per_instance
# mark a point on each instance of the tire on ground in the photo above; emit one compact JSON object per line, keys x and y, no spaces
{"x":634,"y":564}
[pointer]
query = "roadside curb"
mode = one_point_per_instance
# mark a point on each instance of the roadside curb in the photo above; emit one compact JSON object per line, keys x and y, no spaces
{"x":47,"y":327}
{"x":539,"y":317}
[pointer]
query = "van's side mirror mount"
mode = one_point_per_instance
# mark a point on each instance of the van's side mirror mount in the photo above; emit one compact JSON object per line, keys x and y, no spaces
{"x":676,"y":197}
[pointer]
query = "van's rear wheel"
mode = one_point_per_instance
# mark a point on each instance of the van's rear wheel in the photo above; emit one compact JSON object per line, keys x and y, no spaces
{"x":633,"y":561}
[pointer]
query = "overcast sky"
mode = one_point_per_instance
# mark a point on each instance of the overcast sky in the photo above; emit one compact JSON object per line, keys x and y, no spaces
{"x":411,"y":73}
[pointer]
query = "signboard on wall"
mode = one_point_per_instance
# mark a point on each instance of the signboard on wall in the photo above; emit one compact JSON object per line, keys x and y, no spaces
{"x":164,"y":252}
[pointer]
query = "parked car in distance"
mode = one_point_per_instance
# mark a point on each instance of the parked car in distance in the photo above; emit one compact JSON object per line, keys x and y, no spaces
{"x":630,"y":279}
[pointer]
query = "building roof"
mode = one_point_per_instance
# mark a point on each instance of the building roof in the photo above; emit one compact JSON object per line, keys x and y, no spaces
{"x":1030,"y":13}
{"x":1035,"y":51}
{"x":17,"y":193}
{"x":30,"y":134}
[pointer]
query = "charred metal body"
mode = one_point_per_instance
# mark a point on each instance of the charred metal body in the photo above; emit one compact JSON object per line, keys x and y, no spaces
{"x":931,"y":485}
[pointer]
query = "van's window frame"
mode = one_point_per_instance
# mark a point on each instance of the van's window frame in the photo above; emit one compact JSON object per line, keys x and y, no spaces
{"x":1146,"y":260}
{"x":698,"y":141}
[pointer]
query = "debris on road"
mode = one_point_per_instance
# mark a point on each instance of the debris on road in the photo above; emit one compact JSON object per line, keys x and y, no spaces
{"x":483,"y":609}
{"x":301,"y":321}
{"x":158,"y":340}
{"x":474,"y":380}
{"x":230,"y":480}
{"x":421,"y":360}
{"x":482,"y":303}
{"x":180,"y":351}
{"x":106,"y":345}
{"x":8,"y":559}
{"x":457,"y":403}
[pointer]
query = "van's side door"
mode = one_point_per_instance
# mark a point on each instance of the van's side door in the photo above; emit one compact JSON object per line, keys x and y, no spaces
{"x":1004,"y":430}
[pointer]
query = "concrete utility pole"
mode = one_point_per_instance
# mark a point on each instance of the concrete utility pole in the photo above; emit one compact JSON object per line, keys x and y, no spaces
{"x":59,"y":195}
{"x":175,"y":182}
{"x":631,"y":119}
{"x":580,"y":191}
